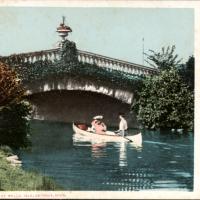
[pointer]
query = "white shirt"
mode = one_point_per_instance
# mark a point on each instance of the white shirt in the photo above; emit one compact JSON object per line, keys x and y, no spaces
{"x":123,"y":124}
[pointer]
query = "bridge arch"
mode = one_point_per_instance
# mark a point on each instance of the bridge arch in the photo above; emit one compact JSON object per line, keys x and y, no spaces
{"x":69,"y":99}
{"x":78,"y":106}
{"x":81,"y":84}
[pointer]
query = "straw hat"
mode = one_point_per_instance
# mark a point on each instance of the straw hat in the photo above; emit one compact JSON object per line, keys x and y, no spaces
{"x":98,"y":117}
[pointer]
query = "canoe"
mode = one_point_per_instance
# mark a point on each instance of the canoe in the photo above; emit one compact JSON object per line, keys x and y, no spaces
{"x":109,"y":136}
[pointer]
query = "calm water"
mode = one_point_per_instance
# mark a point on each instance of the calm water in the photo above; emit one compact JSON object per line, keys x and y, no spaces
{"x":165,"y":161}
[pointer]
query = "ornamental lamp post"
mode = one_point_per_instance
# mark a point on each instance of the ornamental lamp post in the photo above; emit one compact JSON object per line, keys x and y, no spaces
{"x":63,"y":30}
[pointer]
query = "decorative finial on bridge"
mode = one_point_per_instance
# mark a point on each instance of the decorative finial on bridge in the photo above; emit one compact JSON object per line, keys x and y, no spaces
{"x":63,"y":30}
{"x":63,"y":17}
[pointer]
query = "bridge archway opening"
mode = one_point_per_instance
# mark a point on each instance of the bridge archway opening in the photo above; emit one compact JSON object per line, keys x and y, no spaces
{"x":78,"y":106}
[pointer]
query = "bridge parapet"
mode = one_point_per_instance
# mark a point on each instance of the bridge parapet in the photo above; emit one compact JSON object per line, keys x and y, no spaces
{"x":84,"y":57}
{"x":31,"y":57}
{"x":112,"y":63}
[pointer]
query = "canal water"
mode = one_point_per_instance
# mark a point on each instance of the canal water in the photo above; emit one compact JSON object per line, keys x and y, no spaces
{"x":164,"y":163}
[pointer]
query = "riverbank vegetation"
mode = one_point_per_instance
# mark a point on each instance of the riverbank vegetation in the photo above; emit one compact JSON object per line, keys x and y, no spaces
{"x":166,"y":100}
{"x":14,"y":111}
{"x":16,"y":179}
{"x":14,"y":131}
{"x":14,"y":125}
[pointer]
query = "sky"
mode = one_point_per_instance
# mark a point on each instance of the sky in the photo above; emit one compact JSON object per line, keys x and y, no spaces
{"x":113,"y":32}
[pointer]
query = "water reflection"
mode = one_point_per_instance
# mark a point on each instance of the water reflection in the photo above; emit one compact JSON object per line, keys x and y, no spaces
{"x":136,"y":179}
{"x":122,"y":155}
{"x":120,"y":178}
{"x":97,"y":150}
{"x":162,"y":163}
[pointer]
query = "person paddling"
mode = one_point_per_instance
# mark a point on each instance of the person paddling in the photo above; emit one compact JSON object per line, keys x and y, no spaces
{"x":123,"y":126}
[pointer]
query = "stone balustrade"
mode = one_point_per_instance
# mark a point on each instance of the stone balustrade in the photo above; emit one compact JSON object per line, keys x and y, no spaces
{"x":51,"y":55}
{"x":116,"y":64}
{"x":84,"y":57}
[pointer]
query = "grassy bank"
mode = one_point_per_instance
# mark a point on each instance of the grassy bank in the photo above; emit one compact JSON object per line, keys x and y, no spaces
{"x":16,"y":179}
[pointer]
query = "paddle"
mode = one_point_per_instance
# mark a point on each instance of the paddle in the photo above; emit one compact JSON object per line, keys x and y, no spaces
{"x":128,"y":139}
{"x":124,"y":136}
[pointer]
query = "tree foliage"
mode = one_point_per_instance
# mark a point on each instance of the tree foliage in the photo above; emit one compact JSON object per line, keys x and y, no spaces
{"x":69,"y":52}
{"x":14,"y":125}
{"x":187,"y":72}
{"x":163,"y":60}
{"x":166,"y":102}
{"x":11,"y":89}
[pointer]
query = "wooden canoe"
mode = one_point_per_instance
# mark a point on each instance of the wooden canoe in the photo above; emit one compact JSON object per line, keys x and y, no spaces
{"x":109,"y":136}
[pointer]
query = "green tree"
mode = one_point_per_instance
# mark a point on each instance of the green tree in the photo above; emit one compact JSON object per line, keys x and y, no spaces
{"x":187,"y":72}
{"x":11,"y":89}
{"x":165,"y":102}
{"x":14,"y":112}
{"x":163,"y":60}
{"x":14,"y":125}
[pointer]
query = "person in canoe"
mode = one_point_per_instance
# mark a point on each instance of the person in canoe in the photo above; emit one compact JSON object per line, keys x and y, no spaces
{"x":98,"y":126}
{"x":123,"y":125}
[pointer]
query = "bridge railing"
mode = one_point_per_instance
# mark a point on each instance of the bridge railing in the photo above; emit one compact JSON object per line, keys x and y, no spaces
{"x":84,"y":57}
{"x":104,"y":61}
{"x":32,"y":57}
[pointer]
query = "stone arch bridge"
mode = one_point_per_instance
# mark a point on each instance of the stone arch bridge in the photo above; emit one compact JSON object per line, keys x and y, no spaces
{"x":66,"y":83}
{"x":64,"y":96}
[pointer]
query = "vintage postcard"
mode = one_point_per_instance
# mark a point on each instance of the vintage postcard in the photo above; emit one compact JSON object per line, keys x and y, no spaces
{"x":99,"y":99}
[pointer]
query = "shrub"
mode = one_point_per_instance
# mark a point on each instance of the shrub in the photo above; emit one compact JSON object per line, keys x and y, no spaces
{"x":14,"y":125}
{"x":165,"y":102}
